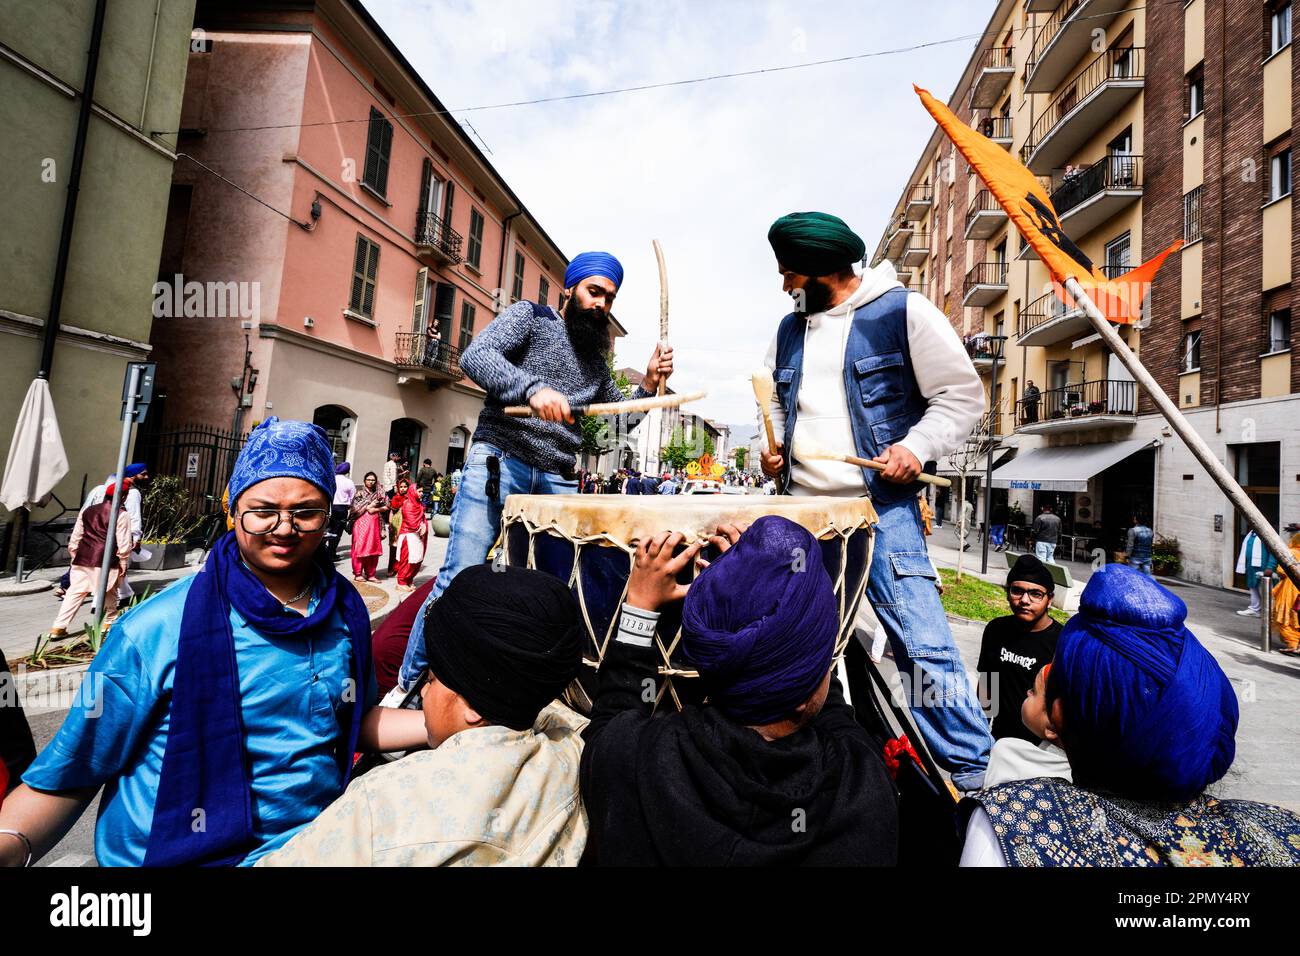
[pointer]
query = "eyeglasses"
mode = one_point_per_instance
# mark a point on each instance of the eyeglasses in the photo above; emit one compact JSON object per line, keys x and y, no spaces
{"x":1015,"y":593}
{"x":261,"y":521}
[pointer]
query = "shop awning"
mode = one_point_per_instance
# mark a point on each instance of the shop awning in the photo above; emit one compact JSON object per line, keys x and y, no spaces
{"x":1064,"y":468}
{"x":946,"y":468}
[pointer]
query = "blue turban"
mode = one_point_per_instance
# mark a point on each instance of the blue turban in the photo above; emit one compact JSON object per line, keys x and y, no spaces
{"x":343,"y":468}
{"x":760,"y":622}
{"x":588,"y":264}
{"x":135,"y":469}
{"x":1149,"y":714}
{"x":287,"y":449}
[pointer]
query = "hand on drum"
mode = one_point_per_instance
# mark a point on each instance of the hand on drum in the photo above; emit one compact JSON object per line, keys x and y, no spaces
{"x":722,"y":539}
{"x":654,"y":571}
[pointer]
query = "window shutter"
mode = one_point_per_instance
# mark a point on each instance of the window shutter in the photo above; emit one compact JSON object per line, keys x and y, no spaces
{"x":371,"y":172}
{"x":386,"y":145}
{"x":421,"y":290}
{"x":426,"y":181}
{"x":372,"y":269}
{"x":449,"y":204}
{"x":358,"y":275}
{"x":467,"y":312}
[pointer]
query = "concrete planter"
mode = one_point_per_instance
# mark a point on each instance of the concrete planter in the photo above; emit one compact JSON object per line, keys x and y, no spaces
{"x":441,"y":525}
{"x":162,"y":557}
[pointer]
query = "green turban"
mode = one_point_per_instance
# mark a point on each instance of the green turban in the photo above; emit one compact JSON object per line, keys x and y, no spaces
{"x":814,"y":243}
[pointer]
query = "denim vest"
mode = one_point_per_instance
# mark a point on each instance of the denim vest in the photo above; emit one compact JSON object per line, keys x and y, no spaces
{"x":1142,"y":537}
{"x":884,"y":400}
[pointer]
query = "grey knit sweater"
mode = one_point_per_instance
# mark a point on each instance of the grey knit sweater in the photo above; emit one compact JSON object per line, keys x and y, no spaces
{"x":519,"y":354}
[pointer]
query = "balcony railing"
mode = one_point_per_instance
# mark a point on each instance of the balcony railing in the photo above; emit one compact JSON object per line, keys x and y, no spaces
{"x":416,"y":350}
{"x":1044,"y":309}
{"x":995,"y":70}
{"x":433,"y":233}
{"x":1048,"y":31}
{"x":985,"y":216}
{"x":995,"y":127}
{"x":1121,"y":63}
{"x":1120,"y":171}
{"x":1109,"y":397}
{"x":987,"y":273}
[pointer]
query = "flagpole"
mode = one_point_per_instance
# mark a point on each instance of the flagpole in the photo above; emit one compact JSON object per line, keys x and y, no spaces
{"x":1254,"y":517}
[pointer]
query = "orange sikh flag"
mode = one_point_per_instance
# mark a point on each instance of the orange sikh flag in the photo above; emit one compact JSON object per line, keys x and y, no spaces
{"x":1021,"y":194}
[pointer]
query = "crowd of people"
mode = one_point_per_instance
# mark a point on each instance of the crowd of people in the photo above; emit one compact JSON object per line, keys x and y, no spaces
{"x":630,"y":481}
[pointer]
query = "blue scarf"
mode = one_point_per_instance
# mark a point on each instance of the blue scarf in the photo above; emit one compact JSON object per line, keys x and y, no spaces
{"x":205,"y":764}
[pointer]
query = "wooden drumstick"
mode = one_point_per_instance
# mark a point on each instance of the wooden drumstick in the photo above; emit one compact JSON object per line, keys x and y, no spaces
{"x":616,"y":408}
{"x":763,"y":389}
{"x":663,"y":307}
{"x":822,"y":454}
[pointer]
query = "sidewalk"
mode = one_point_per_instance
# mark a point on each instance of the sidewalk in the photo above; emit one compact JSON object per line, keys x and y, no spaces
{"x":1267,"y":766}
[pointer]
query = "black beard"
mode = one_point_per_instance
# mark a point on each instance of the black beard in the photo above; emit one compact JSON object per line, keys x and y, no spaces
{"x":816,"y":298}
{"x":588,"y":331}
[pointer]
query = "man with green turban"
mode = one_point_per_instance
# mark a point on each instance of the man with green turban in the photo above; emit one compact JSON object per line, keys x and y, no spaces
{"x":865,"y":367}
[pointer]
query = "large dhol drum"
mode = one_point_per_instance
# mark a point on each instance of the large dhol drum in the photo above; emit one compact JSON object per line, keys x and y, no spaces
{"x":588,"y":541}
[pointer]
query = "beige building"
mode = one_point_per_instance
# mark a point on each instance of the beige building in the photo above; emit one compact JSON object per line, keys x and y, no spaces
{"x":1122,"y":109}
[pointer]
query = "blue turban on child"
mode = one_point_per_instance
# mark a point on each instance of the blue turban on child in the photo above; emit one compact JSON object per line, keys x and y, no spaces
{"x":284,"y":449}
{"x":760,"y":622}
{"x":588,"y":264}
{"x":1149,"y":714}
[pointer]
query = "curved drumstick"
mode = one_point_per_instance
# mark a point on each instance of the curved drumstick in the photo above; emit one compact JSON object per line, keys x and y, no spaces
{"x":821,"y":454}
{"x":616,"y":408}
{"x":663,"y":306}
{"x":763,"y":389}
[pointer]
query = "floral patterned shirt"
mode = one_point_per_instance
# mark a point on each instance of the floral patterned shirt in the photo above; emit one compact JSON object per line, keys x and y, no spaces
{"x":489,"y":796}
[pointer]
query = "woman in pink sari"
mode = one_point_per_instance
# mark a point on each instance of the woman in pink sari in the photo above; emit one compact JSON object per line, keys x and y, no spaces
{"x":411,"y":535}
{"x":368,"y":510}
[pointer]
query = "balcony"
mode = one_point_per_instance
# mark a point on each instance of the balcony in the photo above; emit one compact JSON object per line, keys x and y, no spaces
{"x":1105,"y":403}
{"x":1041,"y":6}
{"x":985,"y":216}
{"x":995,"y":72}
{"x":421,"y":357}
{"x":919,"y":201}
{"x":984,"y":284}
{"x":1089,"y":197}
{"x":1065,"y":39}
{"x":997,"y":129}
{"x":917,"y":251}
{"x":1047,"y":320}
{"x":436,"y":241}
{"x":1080,"y":110}
{"x":900,"y":235}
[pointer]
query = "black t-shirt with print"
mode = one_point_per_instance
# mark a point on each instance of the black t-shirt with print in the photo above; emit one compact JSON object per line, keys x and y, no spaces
{"x":1016,"y":656}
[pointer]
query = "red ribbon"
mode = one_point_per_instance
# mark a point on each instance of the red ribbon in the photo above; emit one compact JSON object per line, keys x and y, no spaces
{"x":894,"y":749}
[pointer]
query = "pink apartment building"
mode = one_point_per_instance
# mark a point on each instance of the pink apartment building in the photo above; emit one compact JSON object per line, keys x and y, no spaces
{"x":387,"y":222}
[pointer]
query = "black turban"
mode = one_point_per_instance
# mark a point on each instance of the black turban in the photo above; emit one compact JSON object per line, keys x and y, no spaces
{"x":1029,"y":568}
{"x":507,"y":639}
{"x":815,"y":244}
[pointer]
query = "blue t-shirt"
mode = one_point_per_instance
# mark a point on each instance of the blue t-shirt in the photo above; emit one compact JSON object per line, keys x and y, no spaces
{"x":291,"y":690}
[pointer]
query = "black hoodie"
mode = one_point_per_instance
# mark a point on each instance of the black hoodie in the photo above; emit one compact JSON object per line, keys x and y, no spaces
{"x":696,"y":789}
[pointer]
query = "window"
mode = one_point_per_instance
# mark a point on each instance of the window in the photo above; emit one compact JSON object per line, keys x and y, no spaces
{"x":474,"y":252}
{"x":1196,"y":93}
{"x":365,"y":268}
{"x":1279,"y":330}
{"x":467,"y":312}
{"x":1191,"y":358}
{"x":444,"y":308}
{"x":379,"y":144}
{"x":1279,"y":175}
{"x":543,"y":290}
{"x":1280,"y":28}
{"x":1192,"y":215}
{"x":1117,"y":256}
{"x":517,"y":288}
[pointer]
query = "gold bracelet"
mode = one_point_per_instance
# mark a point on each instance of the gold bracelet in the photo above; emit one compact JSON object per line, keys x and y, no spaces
{"x":26,"y":843}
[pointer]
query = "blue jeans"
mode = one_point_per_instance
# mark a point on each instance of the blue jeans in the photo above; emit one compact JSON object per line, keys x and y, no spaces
{"x":997,"y":535}
{"x":1143,"y":566}
{"x":1045,"y":552}
{"x":475,"y":524}
{"x":942,"y":699}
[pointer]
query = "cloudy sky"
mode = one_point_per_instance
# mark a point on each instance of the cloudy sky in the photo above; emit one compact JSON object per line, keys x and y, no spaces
{"x":703,"y":168}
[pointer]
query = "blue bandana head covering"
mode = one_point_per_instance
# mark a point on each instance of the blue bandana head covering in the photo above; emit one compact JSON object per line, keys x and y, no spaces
{"x":588,"y":264}
{"x":136,"y":469}
{"x":760,"y":622}
{"x":287,"y":449}
{"x":1149,"y":714}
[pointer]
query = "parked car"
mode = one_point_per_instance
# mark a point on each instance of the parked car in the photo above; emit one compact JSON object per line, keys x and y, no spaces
{"x":703,"y":487}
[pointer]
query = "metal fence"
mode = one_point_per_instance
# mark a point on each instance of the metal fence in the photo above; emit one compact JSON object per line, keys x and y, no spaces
{"x":201,"y":456}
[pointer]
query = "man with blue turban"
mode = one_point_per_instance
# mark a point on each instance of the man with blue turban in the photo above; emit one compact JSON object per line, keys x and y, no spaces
{"x":224,"y":713}
{"x":551,"y":360}
{"x":774,"y":769}
{"x":865,"y":367}
{"x":1148,"y":721}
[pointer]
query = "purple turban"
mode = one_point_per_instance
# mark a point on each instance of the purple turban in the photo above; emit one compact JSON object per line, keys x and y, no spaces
{"x":1149,"y":714}
{"x":588,"y":264}
{"x":760,"y":622}
{"x":343,"y":468}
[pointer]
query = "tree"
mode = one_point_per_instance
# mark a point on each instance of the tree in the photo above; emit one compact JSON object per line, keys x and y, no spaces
{"x":678,"y":451}
{"x":968,"y":457}
{"x":707,"y":447}
{"x":741,"y":454}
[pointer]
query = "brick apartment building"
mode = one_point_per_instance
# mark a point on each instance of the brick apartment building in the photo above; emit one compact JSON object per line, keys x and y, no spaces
{"x":1148,"y":123}
{"x":387,"y":223}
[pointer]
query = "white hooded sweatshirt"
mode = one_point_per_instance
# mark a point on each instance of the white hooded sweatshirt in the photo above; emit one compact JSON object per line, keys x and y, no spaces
{"x":944,"y":375}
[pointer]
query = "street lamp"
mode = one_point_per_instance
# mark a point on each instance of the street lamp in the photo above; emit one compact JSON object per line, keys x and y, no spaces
{"x":995,"y":345}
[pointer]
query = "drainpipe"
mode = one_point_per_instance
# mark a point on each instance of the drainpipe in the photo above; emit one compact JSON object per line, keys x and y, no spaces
{"x":505,"y":237}
{"x":74,"y":184}
{"x":148,"y":76}
{"x":1223,"y":141}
